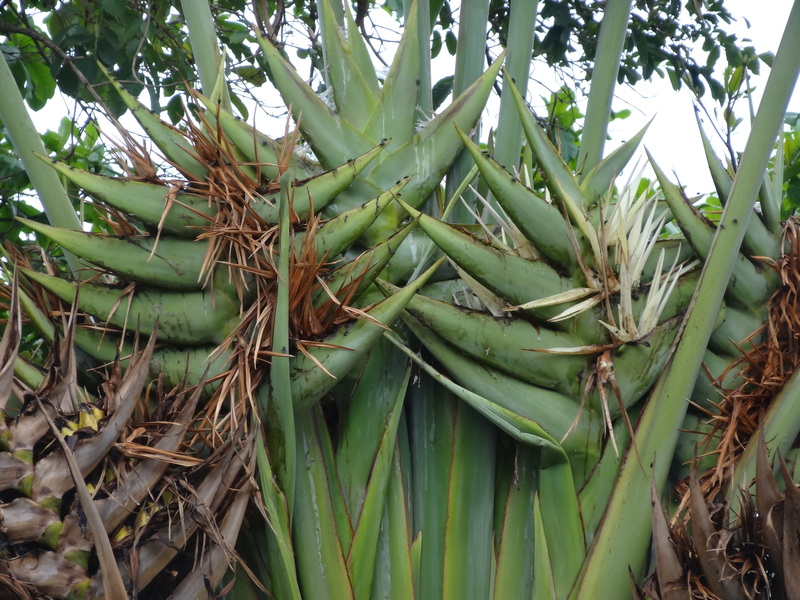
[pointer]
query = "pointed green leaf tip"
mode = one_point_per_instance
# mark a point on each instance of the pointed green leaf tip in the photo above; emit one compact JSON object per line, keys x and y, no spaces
{"x":352,"y":96}
{"x":541,"y":222}
{"x":333,"y":139}
{"x":429,"y":154}
{"x":395,"y":114}
{"x":182,"y":317}
{"x":168,"y":139}
{"x":171,"y":263}
{"x":599,"y":181}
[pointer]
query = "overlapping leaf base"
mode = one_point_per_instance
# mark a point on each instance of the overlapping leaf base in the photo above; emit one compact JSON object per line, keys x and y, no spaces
{"x":163,"y":515}
{"x":232,"y":278}
{"x":379,"y":476}
{"x":714,"y":553}
{"x":587,"y":295}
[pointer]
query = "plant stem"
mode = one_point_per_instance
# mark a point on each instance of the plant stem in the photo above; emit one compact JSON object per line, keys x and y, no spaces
{"x":508,"y":139}
{"x":604,"y":79}
{"x":203,"y":37}
{"x":424,"y":98}
{"x":469,"y":66}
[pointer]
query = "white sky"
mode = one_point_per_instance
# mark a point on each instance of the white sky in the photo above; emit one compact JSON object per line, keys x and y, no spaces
{"x":672,"y":138}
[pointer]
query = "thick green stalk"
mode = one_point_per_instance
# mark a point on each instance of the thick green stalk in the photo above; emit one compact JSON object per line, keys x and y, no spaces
{"x":203,"y":36}
{"x":279,"y":550}
{"x":394,"y":568}
{"x":515,"y":552}
{"x":626,"y":527}
{"x":26,"y":142}
{"x":470,"y":508}
{"x":370,"y":407}
{"x":469,"y":65}
{"x":557,"y":490}
{"x":315,"y":527}
{"x":338,"y":11}
{"x":562,"y":523}
{"x":432,"y":418}
{"x":508,"y":139}
{"x":604,"y":78}
{"x":543,"y":584}
{"x":361,"y":560}
{"x":471,"y":43}
{"x":279,"y":415}
{"x":772,"y":192}
{"x":424,"y":98}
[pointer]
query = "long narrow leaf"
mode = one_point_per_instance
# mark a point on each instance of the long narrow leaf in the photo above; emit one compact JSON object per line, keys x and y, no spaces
{"x":27,"y":143}
{"x":508,"y":138}
{"x":393,"y":116}
{"x":544,"y":586}
{"x":613,"y":31}
{"x":469,"y":63}
{"x":280,"y":553}
{"x":361,"y":559}
{"x":470,"y":508}
{"x":203,"y":38}
{"x":516,"y":553}
{"x":352,"y":95}
{"x":318,"y":550}
{"x":393,"y":566}
{"x":279,"y":414}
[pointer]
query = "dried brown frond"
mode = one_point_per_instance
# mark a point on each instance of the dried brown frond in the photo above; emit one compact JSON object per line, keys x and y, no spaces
{"x":755,"y":550}
{"x":769,"y":358}
{"x":765,"y":368}
{"x":12,"y":588}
